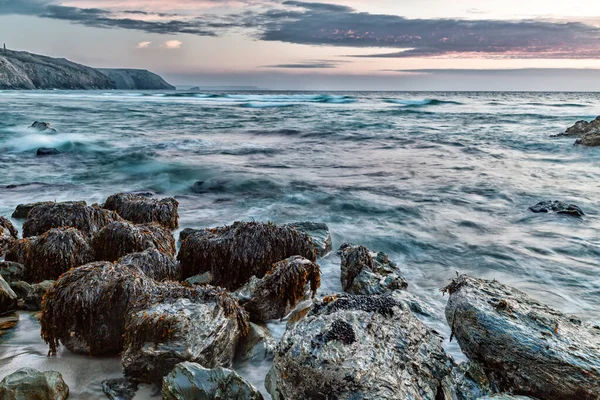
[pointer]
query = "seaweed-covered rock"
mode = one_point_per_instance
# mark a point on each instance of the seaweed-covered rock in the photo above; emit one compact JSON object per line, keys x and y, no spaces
{"x":8,"y":298}
{"x":200,"y":324}
{"x":184,"y":234}
{"x":193,"y":381}
{"x":319,"y":232}
{"x":48,"y":256}
{"x":142,"y":210}
{"x":29,"y":384}
{"x":281,"y":289}
{"x":8,"y":235}
{"x":22,"y":210}
{"x":42,"y":126}
{"x":121,"y":238}
{"x":87,"y":308}
{"x":88,"y":219}
{"x":358,"y":347}
{"x":366,"y":273}
{"x":524,"y":346}
{"x":557,"y":207}
{"x":257,"y":345}
{"x":157,"y":265}
{"x":31,"y":296}
{"x":12,"y":271}
{"x":233,"y":254}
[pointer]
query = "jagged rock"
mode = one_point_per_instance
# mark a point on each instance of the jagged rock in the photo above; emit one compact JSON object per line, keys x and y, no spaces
{"x":88,"y":220}
{"x":524,"y":346}
{"x":42,"y":126}
{"x":29,"y":384}
{"x":8,"y":298}
{"x":184,"y":234}
{"x":281,"y":289}
{"x":119,"y":389}
{"x":22,"y":210}
{"x":589,"y":140}
{"x":8,"y":235}
{"x":200,"y":324}
{"x":12,"y":271}
{"x":141,"y":209}
{"x":358,"y":347}
{"x":193,"y":381}
{"x":320,"y":234}
{"x":155,"y":264}
{"x":48,"y":256}
{"x":557,"y":207}
{"x":31,"y":295}
{"x":46,"y":151}
{"x":87,"y":307}
{"x":118,"y":239}
{"x":233,"y":254}
{"x":467,"y":381}
{"x":257,"y":345}
{"x":365,"y":272}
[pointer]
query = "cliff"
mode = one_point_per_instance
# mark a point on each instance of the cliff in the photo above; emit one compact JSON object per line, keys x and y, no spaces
{"x":136,"y":79}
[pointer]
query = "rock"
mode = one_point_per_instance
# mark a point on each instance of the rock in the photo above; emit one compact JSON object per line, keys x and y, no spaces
{"x":118,"y":239}
{"x":367,"y":273}
{"x":42,"y":126}
{"x":204,"y":279}
{"x":22,"y":210}
{"x":358,"y":347}
{"x":319,"y":232}
{"x":184,"y":234}
{"x":557,"y":207}
{"x":155,"y":264}
{"x":46,"y":151}
{"x":233,"y":254}
{"x":135,"y":79}
{"x":524,"y":346}
{"x":88,"y":220}
{"x":193,"y":381}
{"x":505,"y":396}
{"x":8,"y":298}
{"x":8,"y":235}
{"x":582,"y":128}
{"x":29,"y":384}
{"x":141,"y":210}
{"x":12,"y":271}
{"x":257,"y":345}
{"x":31,"y":295}
{"x":281,"y":289}
{"x":589,"y":140}
{"x":467,"y":381}
{"x":7,"y":323}
{"x":119,"y":389}
{"x":200,"y":324}
{"x":48,"y":256}
{"x":87,"y":307}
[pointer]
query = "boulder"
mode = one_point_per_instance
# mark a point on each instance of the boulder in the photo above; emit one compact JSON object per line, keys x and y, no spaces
{"x":22,"y":210}
{"x":358,"y":347}
{"x":48,"y":256}
{"x":257,"y":345}
{"x":467,"y":381}
{"x":320,"y":234}
{"x":119,"y":389}
{"x":8,"y":235}
{"x":366,"y":273}
{"x":276,"y":294}
{"x":47,"y":151}
{"x":29,"y":384}
{"x":42,"y":126}
{"x":524,"y":346}
{"x":87,"y":219}
{"x":8,"y":298}
{"x":193,"y":381}
{"x":31,"y":296}
{"x":233,"y":254}
{"x":121,"y":238}
{"x":200,"y":324}
{"x":12,"y":271}
{"x":557,"y":207}
{"x":155,"y":264}
{"x":87,"y":308}
{"x":142,"y":210}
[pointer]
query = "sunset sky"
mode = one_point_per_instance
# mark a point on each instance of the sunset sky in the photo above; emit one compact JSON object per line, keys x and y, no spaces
{"x":329,"y":44}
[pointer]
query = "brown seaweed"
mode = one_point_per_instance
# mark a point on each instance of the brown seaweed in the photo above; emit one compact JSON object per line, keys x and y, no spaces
{"x":141,"y":210}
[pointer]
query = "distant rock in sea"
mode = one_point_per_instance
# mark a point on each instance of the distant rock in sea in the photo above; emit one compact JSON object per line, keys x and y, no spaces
{"x":136,"y":79}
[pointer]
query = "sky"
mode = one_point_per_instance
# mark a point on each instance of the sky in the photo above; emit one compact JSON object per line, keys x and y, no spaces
{"x":323,"y":44}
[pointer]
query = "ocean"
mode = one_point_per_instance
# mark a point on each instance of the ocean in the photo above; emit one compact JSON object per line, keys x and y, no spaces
{"x":441,"y":182}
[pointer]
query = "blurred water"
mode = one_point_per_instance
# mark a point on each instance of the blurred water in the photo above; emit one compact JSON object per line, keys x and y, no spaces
{"x":440,"y":181}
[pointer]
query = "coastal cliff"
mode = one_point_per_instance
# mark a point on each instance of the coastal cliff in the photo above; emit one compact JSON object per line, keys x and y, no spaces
{"x":136,"y":79}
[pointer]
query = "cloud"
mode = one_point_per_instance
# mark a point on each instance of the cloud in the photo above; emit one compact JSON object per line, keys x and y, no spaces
{"x":143,"y":45}
{"x":172,"y":44}
{"x":315,"y":64}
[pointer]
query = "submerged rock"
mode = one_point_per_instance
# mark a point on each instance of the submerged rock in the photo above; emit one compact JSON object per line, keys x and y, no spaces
{"x":12,"y":271}
{"x":365,"y":272}
{"x":8,"y":235}
{"x":155,"y":264}
{"x":358,"y":347}
{"x":29,"y":384}
{"x":22,"y":210}
{"x":88,"y":220}
{"x":319,"y":232}
{"x":118,"y":239}
{"x":281,"y":289}
{"x":47,"y":151}
{"x":524,"y":346}
{"x":233,"y":254}
{"x":42,"y":126}
{"x":193,"y":381}
{"x":119,"y":389}
{"x":141,"y":209}
{"x":557,"y":207}
{"x":8,"y":298}
{"x":257,"y":345}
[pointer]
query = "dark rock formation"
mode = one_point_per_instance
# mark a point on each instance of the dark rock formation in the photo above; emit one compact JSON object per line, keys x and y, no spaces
{"x":582,"y":128}
{"x":141,"y":210}
{"x":42,"y":126}
{"x":12,"y":271}
{"x":30,"y":384}
{"x":22,"y":210}
{"x":233,"y":254}
{"x":524,"y":346}
{"x":366,"y":273}
{"x":193,"y":381}
{"x":119,"y":389}
{"x":155,"y":264}
{"x":8,"y":298}
{"x":8,"y":235}
{"x":358,"y":347}
{"x":257,"y":345}
{"x":135,"y":79}
{"x":467,"y":381}
{"x":589,"y":140}
{"x":121,"y":238}
{"x":30,"y":296}
{"x":557,"y":207}
{"x":281,"y":289}
{"x":184,"y":234}
{"x":319,"y":232}
{"x":47,"y":151}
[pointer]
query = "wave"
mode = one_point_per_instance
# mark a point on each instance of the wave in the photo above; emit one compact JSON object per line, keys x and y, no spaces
{"x":556,"y":104}
{"x":421,"y":103}
{"x":261,"y":98}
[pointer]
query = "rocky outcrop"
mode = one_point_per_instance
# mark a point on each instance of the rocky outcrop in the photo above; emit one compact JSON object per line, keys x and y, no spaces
{"x":30,"y":384}
{"x":193,"y":381}
{"x":22,"y":70}
{"x":135,"y":79}
{"x":557,"y":207}
{"x":8,"y":235}
{"x":467,"y":381}
{"x":22,"y":210}
{"x":354,"y":347}
{"x":524,"y":346}
{"x":8,"y":298}
{"x":141,"y":209}
{"x":320,"y":234}
{"x":155,"y":264}
{"x":587,"y":133}
{"x":42,"y":127}
{"x":233,"y":254}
